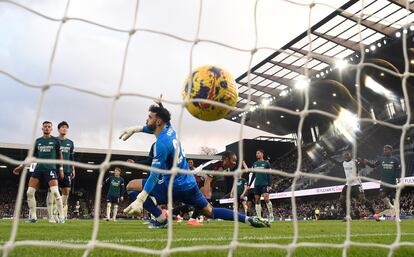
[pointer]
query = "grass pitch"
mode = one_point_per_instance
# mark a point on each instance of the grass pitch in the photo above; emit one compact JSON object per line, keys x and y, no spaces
{"x":217,"y":234}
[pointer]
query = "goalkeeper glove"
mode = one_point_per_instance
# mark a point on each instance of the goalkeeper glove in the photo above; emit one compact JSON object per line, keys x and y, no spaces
{"x":128,"y":132}
{"x":137,"y":206}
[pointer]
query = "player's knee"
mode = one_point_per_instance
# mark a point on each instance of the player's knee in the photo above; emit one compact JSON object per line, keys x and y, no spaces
{"x":207,"y":211}
{"x":55,"y":192}
{"x":135,"y":185}
{"x":30,"y":192}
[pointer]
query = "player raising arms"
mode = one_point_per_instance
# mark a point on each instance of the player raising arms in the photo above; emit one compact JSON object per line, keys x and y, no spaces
{"x":115,"y":193}
{"x":46,"y":147}
{"x":351,"y":168}
{"x":185,"y":188}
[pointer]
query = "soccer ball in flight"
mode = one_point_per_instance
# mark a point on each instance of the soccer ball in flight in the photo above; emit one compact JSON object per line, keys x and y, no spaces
{"x":210,"y":83}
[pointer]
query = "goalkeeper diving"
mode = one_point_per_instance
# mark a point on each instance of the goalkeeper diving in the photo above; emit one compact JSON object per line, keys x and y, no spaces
{"x":185,"y":188}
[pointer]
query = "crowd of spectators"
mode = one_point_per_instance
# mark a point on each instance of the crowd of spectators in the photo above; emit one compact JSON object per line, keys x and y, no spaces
{"x":329,"y":209}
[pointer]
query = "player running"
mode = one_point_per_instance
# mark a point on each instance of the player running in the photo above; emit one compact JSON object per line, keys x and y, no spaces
{"x":185,"y":188}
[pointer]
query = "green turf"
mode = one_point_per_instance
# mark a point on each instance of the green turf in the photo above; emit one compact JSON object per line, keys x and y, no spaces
{"x":134,"y":233}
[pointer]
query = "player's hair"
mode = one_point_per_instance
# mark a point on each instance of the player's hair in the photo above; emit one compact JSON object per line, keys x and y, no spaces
{"x":117,"y":168}
{"x":261,"y":150}
{"x":161,"y":112}
{"x":46,"y":122}
{"x":389,"y":147}
{"x":63,"y":123}
{"x":227,"y":154}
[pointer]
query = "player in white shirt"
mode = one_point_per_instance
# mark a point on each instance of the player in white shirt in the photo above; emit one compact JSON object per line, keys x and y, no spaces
{"x":351,"y":168}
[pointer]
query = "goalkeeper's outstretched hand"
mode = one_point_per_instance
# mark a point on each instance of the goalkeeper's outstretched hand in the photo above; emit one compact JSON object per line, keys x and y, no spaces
{"x":137,"y":206}
{"x":128,"y":132}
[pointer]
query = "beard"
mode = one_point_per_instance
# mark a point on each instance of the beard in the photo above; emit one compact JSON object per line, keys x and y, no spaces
{"x":151,"y":127}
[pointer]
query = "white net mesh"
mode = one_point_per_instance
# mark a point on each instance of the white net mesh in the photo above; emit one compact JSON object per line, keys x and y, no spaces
{"x":134,"y":29}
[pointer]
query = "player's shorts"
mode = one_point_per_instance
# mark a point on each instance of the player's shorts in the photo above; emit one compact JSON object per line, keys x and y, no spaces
{"x":44,"y":175}
{"x":355,"y":191}
{"x":192,"y":196}
{"x":66,"y":182}
{"x":259,"y":190}
{"x":388,"y":191}
{"x":112,"y":199}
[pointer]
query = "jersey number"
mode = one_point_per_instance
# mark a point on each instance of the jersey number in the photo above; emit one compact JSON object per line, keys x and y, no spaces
{"x":181,"y":154}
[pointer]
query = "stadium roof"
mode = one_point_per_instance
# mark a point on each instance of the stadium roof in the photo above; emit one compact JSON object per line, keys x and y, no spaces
{"x":335,"y":40}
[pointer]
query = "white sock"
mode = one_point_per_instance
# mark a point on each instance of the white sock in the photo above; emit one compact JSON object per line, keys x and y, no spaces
{"x":49,"y":205}
{"x":245,"y":209}
{"x":258,"y":210}
{"x":270,"y":208}
{"x":160,"y":218}
{"x":54,"y":207}
{"x":31,"y":201}
{"x":387,"y":202}
{"x":115,"y":211}
{"x":55,"y":191}
{"x":65,"y":205}
{"x":108,"y":211}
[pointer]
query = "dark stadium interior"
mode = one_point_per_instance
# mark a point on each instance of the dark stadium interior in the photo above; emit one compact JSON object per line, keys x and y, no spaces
{"x":331,"y":88}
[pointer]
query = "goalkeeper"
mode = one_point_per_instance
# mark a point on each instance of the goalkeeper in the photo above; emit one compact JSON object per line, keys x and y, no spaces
{"x":185,"y":188}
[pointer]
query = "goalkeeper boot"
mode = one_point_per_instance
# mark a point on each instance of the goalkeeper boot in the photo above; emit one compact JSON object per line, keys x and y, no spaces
{"x":31,"y":221}
{"x":157,"y":224}
{"x":258,"y":222}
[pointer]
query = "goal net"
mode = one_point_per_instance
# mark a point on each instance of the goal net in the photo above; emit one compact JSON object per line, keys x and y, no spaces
{"x":256,"y":97}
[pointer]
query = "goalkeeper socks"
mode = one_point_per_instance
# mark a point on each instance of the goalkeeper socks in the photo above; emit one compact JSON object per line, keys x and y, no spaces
{"x":152,"y":208}
{"x":31,"y":201}
{"x":258,"y":210}
{"x":270,"y":208}
{"x":226,"y":214}
{"x":161,"y":218}
{"x":132,"y":194}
